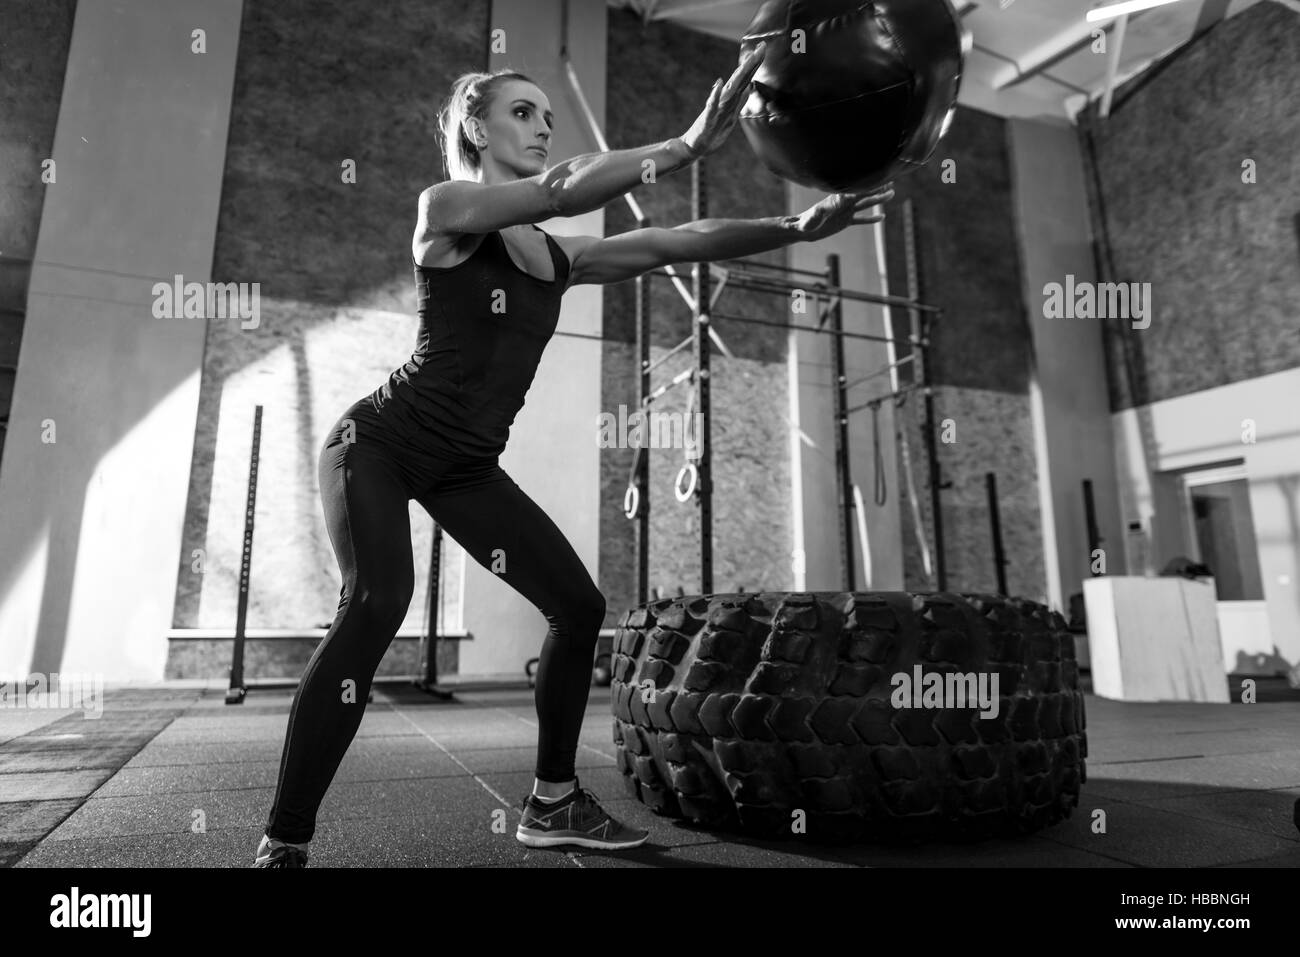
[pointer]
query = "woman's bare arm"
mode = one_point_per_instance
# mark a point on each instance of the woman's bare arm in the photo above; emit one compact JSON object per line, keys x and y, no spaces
{"x":571,"y":188}
{"x":630,"y":254}
{"x":627,"y":255}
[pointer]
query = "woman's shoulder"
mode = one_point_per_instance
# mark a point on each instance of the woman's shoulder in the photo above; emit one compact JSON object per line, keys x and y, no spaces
{"x":444,"y":250}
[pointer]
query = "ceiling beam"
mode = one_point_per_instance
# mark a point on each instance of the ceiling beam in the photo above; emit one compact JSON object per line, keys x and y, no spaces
{"x":1062,"y":46}
{"x":669,"y":10}
{"x":1041,"y":73}
{"x":1112,"y":65}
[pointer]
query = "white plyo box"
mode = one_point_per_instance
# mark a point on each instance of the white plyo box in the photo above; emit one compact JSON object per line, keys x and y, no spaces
{"x":1154,"y":639}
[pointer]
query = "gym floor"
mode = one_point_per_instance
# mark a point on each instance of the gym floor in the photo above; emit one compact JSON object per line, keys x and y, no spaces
{"x":170,"y":776}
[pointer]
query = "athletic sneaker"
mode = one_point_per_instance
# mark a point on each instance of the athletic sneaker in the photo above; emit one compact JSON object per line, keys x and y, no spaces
{"x":278,"y":854}
{"x":577,"y":818}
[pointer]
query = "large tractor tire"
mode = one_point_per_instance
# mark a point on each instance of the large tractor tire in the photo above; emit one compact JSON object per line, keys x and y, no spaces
{"x":776,"y":714}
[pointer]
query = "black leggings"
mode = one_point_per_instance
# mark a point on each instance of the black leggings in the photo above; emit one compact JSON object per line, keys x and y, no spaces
{"x":367,"y":477}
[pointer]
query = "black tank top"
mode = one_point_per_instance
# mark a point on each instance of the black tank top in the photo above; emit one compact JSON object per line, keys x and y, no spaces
{"x":484,"y":324}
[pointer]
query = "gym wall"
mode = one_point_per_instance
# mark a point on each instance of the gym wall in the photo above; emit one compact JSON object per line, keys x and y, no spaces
{"x":969,"y":264}
{"x":1169,"y":206}
{"x":658,"y":78}
{"x":34,"y":38}
{"x":315,"y":85}
{"x":92,"y":492}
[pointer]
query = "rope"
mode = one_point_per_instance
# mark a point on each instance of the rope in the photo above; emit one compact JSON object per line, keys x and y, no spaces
{"x":881,"y":489}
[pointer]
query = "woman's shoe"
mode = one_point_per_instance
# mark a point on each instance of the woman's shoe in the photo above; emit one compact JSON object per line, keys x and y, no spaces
{"x":279,"y":854}
{"x":577,"y":818}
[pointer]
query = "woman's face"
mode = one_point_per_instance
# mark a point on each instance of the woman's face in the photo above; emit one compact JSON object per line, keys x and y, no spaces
{"x":518,"y":128}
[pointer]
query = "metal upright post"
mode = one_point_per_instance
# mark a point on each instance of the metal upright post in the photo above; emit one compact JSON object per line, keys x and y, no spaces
{"x":238,"y":687}
{"x":704,"y":490}
{"x":926,"y":381}
{"x":641,"y":480}
{"x":843,"y":480}
{"x":916,"y":373}
{"x":995,"y":529}
{"x":428,"y":667}
{"x":1094,"y":533}
{"x":936,"y":506}
{"x":426,"y":675}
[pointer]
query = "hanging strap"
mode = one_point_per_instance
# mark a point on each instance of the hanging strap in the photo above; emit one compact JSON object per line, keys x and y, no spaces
{"x":881,"y":490}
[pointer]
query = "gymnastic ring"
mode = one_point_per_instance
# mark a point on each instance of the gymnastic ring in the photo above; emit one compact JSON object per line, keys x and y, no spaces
{"x":690,"y":470}
{"x":634,"y":494}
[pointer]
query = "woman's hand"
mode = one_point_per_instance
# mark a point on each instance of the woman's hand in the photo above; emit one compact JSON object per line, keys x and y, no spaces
{"x":840,"y":210}
{"x":712,"y":126}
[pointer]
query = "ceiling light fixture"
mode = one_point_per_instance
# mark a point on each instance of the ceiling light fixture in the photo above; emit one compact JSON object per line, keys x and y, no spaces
{"x":1119,"y":9}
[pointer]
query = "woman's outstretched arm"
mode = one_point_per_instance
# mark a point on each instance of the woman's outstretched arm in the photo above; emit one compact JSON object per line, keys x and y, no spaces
{"x":590,"y":181}
{"x":630,"y":254}
{"x":575,"y":186}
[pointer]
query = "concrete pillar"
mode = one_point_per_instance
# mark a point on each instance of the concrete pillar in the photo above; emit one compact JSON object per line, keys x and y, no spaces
{"x":92,"y":492}
{"x":552,"y":452}
{"x":1071,"y":408}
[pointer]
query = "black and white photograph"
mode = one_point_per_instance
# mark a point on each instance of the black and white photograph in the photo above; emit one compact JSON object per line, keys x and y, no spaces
{"x":711,"y":435}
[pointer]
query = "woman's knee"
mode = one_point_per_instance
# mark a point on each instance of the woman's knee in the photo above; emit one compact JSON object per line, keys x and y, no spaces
{"x":590,"y":608}
{"x":382,"y":603}
{"x":580,"y":616}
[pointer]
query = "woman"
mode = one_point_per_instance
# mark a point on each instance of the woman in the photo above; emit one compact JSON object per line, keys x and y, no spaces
{"x":489,"y":283}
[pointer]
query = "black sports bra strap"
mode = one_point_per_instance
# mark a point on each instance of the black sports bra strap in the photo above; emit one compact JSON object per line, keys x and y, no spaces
{"x":559,"y":261}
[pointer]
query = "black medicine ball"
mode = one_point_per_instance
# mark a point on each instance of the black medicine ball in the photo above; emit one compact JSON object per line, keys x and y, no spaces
{"x":850,"y":94}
